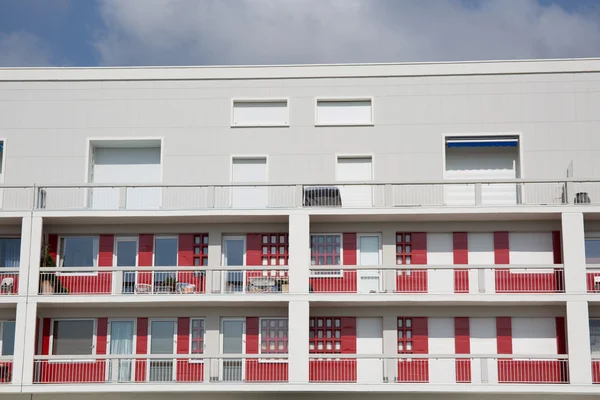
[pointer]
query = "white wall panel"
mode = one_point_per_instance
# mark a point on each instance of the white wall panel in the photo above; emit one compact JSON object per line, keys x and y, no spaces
{"x":260,"y":113}
{"x":441,"y":341}
{"x":534,"y":336}
{"x":531,"y":248}
{"x":483,"y":341}
{"x":440,"y":251}
{"x":481,"y":252}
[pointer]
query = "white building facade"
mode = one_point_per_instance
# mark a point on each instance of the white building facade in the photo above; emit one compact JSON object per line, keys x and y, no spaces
{"x":417,"y":229}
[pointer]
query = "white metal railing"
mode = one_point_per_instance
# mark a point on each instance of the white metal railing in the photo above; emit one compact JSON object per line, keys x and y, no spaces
{"x":595,"y":368}
{"x":371,"y":194}
{"x":9,"y":281}
{"x":156,"y":368}
{"x":593,"y":278}
{"x":6,"y":369}
{"x":162,"y":280}
{"x":439,"y":279}
{"x":439,"y":369}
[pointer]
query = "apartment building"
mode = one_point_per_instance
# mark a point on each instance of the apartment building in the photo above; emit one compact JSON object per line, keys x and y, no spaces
{"x":421,"y":230}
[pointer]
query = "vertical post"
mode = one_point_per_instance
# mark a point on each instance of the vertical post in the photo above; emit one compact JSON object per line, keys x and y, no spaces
{"x":478,"y":194}
{"x":26,"y":241}
{"x":573,"y":238}
{"x":24,"y":350}
{"x":389,"y":260}
{"x":32,"y":253}
{"x":299,"y":249}
{"x":298,"y":328}
{"x":214,"y":260}
{"x":122,"y":197}
{"x":390,"y":346}
{"x":211,"y":349}
{"x":578,"y":337}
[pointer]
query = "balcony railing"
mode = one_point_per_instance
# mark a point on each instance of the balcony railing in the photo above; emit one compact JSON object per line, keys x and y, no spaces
{"x":162,"y":280}
{"x":9,"y":281}
{"x":153,"y":368}
{"x":273,"y":195}
{"x":593,"y":278}
{"x":439,"y":369}
{"x":6,"y":369}
{"x":442,"y":279}
{"x":595,"y":368}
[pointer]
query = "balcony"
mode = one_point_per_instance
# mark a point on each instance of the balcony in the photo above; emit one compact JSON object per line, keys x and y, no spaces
{"x":439,"y":279}
{"x":439,"y":369}
{"x":157,"y":368}
{"x":286,"y":196}
{"x":77,"y":281}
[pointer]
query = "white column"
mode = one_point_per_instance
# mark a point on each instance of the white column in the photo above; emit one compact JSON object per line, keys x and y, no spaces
{"x":390,"y":345}
{"x":212,"y":346}
{"x":389,"y":260}
{"x":26,"y":240}
{"x":573,"y":238}
{"x":299,"y":249}
{"x":298,"y":362}
{"x":578,"y":334}
{"x":35,"y":249}
{"x":24,"y":349}
{"x":214,"y":279}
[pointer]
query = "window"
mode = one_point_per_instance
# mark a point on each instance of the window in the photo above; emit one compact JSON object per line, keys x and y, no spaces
{"x":403,"y":249}
{"x":275,"y":249}
{"x":260,"y":113}
{"x":8,"y":338}
{"x":325,"y":335}
{"x":200,"y":250}
{"x":197,"y":336}
{"x":592,"y":251}
{"x":273,"y":336}
{"x":165,"y":255}
{"x":344,"y":112}
{"x":162,"y":341}
{"x":405,"y":344}
{"x":73,"y":337}
{"x":78,"y":251}
{"x":595,"y":336}
{"x":10,"y":252}
{"x":326,"y":250}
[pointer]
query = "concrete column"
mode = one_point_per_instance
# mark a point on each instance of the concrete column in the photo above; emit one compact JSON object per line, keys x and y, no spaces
{"x":578,"y":334}
{"x":212,"y":346}
{"x":298,"y":327}
{"x":213,"y":278}
{"x":34,"y":250}
{"x":299,"y":248}
{"x":390,"y":346}
{"x":24,"y":349}
{"x":573,"y":238}
{"x":25,"y":255}
{"x":388,"y":260}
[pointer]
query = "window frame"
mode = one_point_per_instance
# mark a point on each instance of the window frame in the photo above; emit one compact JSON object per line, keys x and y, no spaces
{"x":204,"y":247}
{"x":352,"y":99}
{"x":333,"y":273}
{"x":203,"y":339}
{"x":589,"y":323}
{"x":593,"y":236}
{"x":313,"y":327}
{"x":235,"y":100}
{"x":3,"y":160}
{"x":149,"y":349}
{"x":2,"y":323}
{"x":156,"y":268}
{"x":94,"y":340}
{"x":20,"y":246}
{"x":61,"y":270}
{"x":404,"y":329}
{"x":287,"y":336}
{"x":278,"y":257}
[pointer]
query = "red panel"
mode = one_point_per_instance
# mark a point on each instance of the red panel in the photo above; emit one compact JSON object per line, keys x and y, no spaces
{"x":561,"y":336}
{"x":349,"y":335}
{"x":141,"y":348}
{"x":46,"y":324}
{"x":557,"y":247}
{"x":462,"y":345}
{"x":183,"y":335}
{"x":522,"y":371}
{"x":254,"y":249}
{"x":504,"y":335}
{"x":349,"y":248}
{"x":420,"y":335}
{"x":145,"y":259}
{"x":419,"y":249}
{"x":501,"y":248}
{"x":252,"y":335}
{"x":37,"y":337}
{"x":101,"y":333}
{"x":263,"y":371}
{"x":53,"y":245}
{"x":332,"y":370}
{"x":461,"y":256}
{"x":533,"y":282}
{"x":595,"y":371}
{"x":185,"y":258}
{"x":84,"y":372}
{"x":186,"y":371}
{"x":106,"y":245}
{"x":411,"y":280}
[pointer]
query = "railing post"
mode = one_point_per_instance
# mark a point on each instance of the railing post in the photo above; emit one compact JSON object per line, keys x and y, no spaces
{"x":122,"y":197}
{"x":211,"y":194}
{"x":299,"y":196}
{"x":478,"y":194}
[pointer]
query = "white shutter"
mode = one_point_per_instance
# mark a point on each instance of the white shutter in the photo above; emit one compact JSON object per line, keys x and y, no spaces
{"x":249,"y":170}
{"x":355,"y":169}
{"x":260,"y":113}
{"x":344,"y":112}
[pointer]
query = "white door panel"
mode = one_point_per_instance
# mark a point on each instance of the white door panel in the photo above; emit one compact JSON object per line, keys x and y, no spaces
{"x":369,"y":340}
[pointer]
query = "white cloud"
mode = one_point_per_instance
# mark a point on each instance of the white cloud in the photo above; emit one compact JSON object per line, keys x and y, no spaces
{"x":20,"y":49}
{"x":162,"y":32}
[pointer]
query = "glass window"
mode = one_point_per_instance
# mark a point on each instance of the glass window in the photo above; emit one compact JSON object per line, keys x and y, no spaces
{"x":592,"y":251}
{"x":325,"y":335}
{"x":162,"y":337}
{"x":404,"y":335}
{"x":595,"y":336}
{"x":197,"y":336}
{"x":78,"y":251}
{"x":165,"y":254}
{"x":73,"y":337}
{"x":8,"y":338}
{"x":273,"y":335}
{"x":326,"y":250}
{"x":10,"y":252}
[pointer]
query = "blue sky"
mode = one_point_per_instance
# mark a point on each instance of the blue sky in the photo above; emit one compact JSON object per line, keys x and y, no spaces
{"x":201,"y":32}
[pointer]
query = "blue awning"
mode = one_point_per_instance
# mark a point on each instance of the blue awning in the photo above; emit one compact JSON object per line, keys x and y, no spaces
{"x":495,"y":142}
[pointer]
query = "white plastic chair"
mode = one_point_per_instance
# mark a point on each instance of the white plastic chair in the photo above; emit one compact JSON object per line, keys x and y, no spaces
{"x":143,"y":288}
{"x":185,"y":288}
{"x":7,"y":285}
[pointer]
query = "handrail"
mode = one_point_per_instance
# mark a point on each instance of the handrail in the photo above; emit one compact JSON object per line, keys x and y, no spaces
{"x":440,"y":356}
{"x":72,"y":270}
{"x":98,"y":357}
{"x":414,"y":267}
